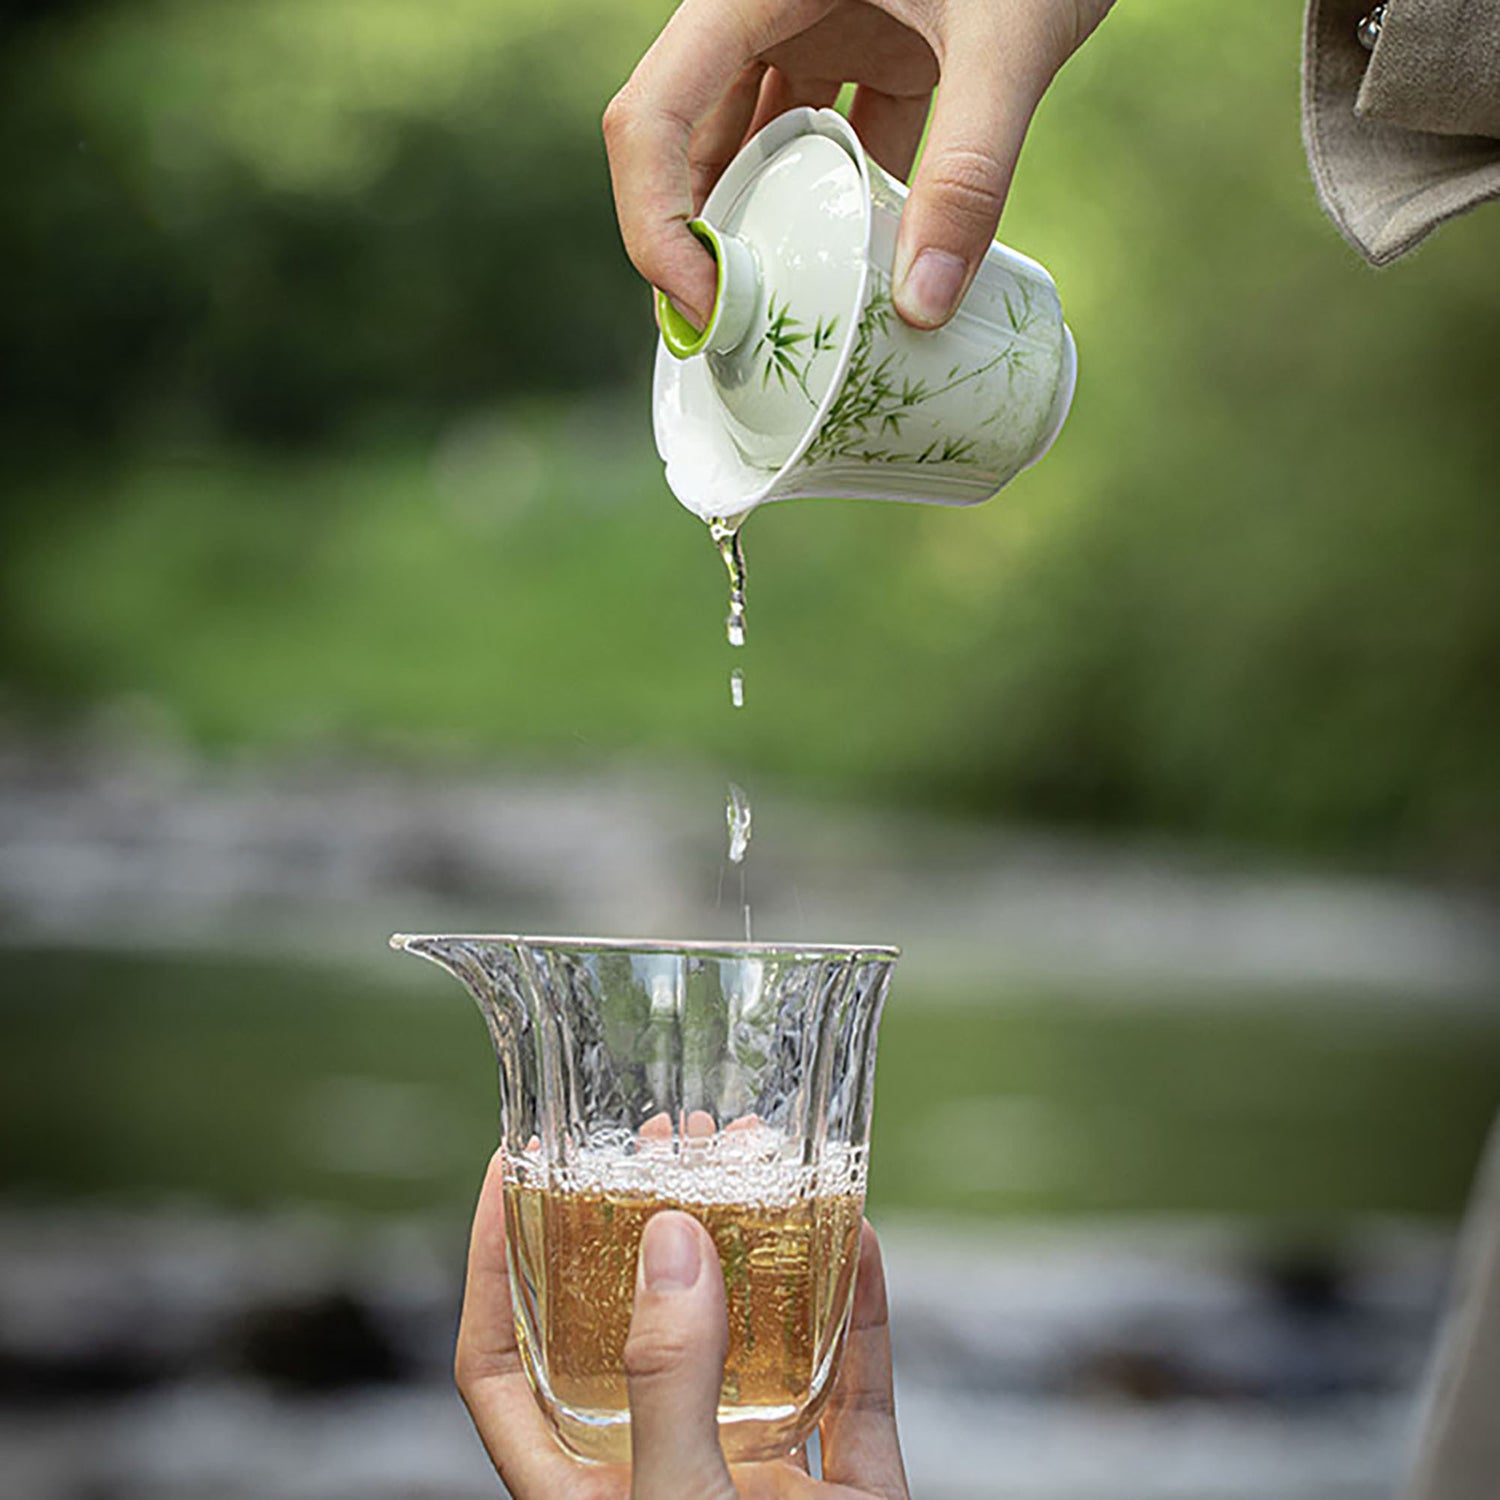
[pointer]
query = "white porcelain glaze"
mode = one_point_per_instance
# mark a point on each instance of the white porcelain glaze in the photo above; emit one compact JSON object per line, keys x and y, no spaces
{"x":826,"y":392}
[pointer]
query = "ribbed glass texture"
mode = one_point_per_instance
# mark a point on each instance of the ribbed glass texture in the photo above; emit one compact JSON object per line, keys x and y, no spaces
{"x":732,"y":1081}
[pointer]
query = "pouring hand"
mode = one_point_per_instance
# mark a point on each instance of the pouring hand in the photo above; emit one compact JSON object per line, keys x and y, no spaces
{"x":675,"y":1362}
{"x":722,"y":68}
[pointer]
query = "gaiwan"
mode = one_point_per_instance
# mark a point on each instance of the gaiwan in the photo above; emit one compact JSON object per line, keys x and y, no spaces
{"x":805,"y":381}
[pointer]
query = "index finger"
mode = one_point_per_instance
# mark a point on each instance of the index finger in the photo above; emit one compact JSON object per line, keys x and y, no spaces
{"x":487,"y":1363}
{"x":486,"y":1330}
{"x":701,"y":53}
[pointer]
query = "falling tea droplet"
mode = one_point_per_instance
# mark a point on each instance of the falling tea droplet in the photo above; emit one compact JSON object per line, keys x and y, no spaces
{"x":737,"y":816}
{"x":737,"y":688}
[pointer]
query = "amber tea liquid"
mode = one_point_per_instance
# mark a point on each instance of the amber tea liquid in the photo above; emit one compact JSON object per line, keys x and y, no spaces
{"x":788,"y":1265}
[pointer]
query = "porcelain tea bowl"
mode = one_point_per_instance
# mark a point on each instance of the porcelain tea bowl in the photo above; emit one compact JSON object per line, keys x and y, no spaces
{"x":804,"y":382}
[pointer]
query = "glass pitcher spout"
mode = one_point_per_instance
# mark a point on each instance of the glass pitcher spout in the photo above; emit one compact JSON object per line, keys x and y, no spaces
{"x":492,"y":969}
{"x":489,"y":968}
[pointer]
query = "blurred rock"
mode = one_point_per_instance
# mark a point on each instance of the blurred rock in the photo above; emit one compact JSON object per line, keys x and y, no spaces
{"x":325,"y":1343}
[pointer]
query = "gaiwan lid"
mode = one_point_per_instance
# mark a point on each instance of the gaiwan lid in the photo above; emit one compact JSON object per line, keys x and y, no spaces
{"x":738,"y":400}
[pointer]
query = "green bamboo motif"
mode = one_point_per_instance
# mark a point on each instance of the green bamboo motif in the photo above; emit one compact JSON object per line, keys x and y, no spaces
{"x":1022,"y":319}
{"x":875,"y":400}
{"x":781,"y":340}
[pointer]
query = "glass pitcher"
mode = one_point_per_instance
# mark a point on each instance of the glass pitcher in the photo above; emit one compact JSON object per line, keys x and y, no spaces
{"x":731,"y":1080}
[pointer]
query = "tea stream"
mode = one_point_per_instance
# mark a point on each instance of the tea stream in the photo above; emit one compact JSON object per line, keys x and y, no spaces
{"x":737,"y":811}
{"x":726,"y":536}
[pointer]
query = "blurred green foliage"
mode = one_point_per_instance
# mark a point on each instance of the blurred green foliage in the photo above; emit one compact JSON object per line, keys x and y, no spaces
{"x":194,"y":256}
{"x":325,"y":420}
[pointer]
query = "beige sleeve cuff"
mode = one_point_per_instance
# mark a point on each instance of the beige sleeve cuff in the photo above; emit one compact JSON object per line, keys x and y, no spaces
{"x":1402,"y":139}
{"x":1459,"y":1456}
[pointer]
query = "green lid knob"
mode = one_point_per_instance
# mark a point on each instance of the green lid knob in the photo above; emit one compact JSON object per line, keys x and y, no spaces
{"x":735,"y":292}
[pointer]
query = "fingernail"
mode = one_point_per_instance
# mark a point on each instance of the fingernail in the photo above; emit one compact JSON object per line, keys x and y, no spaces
{"x":670,"y":1258}
{"x":929,"y":290}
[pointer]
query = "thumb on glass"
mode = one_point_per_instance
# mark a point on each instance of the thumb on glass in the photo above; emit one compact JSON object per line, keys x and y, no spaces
{"x":674,"y":1364}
